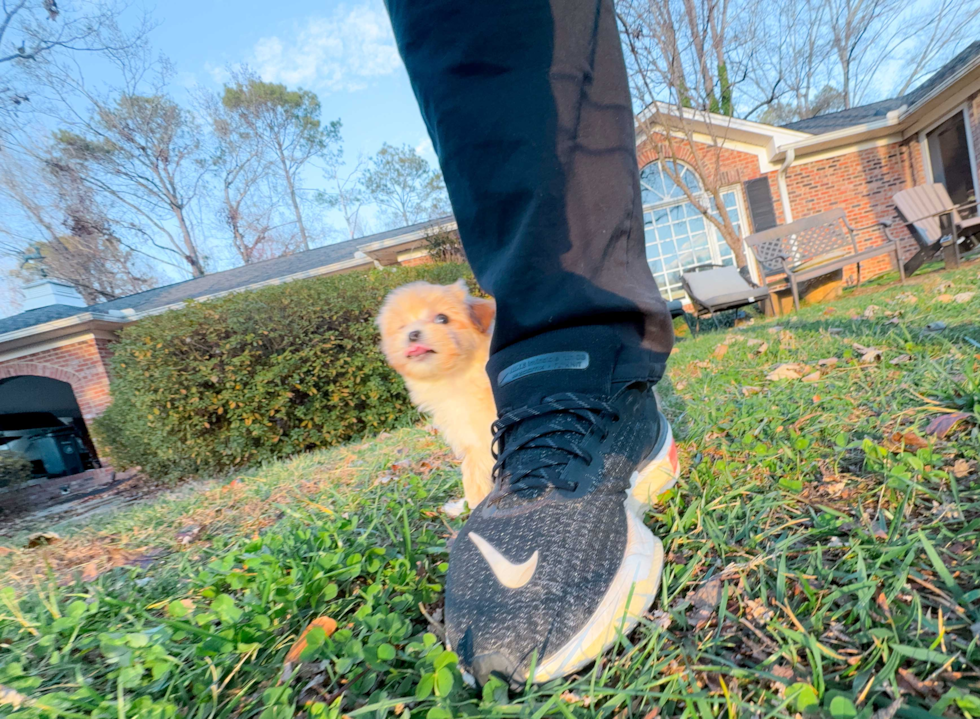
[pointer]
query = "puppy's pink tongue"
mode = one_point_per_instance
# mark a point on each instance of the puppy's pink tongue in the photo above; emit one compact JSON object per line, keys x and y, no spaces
{"x":416,"y":350}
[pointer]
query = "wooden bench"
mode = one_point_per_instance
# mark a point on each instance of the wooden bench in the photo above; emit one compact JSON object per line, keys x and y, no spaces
{"x":813,"y":247}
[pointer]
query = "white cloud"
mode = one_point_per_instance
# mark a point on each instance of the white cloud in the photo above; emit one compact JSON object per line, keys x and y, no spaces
{"x":425,"y":149}
{"x":340,"y":52}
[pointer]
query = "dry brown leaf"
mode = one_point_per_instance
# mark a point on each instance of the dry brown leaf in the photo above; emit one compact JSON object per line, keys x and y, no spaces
{"x":901,"y":359}
{"x":752,"y":342}
{"x":703,"y":364}
{"x":720,"y":351}
{"x":907,"y":297}
{"x":748,"y":391}
{"x":829,"y":311}
{"x":91,"y":572}
{"x":828,"y":362}
{"x":870,"y":355}
{"x":705,"y":601}
{"x":41,"y":539}
{"x":941,"y":425}
{"x":787,"y":370}
{"x":911,"y":440}
{"x":869,"y":312}
{"x":812,"y":377}
{"x":328,"y":625}
{"x":775,"y":328}
{"x":944,"y":298}
{"x":4,"y":551}
{"x":963,"y":297}
{"x":962,"y":468}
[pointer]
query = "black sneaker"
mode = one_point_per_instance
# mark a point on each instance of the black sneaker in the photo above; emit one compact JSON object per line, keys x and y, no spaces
{"x":556,"y":560}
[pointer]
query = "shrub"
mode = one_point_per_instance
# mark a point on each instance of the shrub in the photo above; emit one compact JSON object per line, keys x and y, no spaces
{"x":14,"y":469}
{"x":257,"y":375}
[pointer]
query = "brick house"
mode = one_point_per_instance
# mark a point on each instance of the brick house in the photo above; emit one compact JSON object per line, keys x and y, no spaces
{"x":856,"y":159}
{"x":54,"y":354}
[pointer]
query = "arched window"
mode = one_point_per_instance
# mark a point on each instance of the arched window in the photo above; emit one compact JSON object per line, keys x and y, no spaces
{"x":657,"y":186}
{"x":678,"y":236}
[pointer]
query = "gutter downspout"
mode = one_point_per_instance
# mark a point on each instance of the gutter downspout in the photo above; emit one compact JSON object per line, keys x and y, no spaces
{"x":783,"y":188}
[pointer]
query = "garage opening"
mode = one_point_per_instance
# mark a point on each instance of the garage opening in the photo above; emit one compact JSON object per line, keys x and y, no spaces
{"x":40,"y":419}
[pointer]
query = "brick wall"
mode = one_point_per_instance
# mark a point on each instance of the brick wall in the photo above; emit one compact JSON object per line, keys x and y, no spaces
{"x":81,"y":364}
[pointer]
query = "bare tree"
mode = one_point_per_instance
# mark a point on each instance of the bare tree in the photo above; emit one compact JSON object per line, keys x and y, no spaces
{"x":401,"y":183}
{"x":347,"y":196}
{"x":61,"y":219}
{"x":144,"y":152}
{"x":867,"y":35}
{"x":687,"y":61}
{"x":288,"y":123}
{"x":35,"y":32}
{"x":249,"y":206}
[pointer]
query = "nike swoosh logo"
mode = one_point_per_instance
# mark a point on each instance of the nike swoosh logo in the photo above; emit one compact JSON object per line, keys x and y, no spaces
{"x":512,"y":576}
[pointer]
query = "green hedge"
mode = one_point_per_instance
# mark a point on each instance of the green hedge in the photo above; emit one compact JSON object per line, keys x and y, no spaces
{"x":257,"y":375}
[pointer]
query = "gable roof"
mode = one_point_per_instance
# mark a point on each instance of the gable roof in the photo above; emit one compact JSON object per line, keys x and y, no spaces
{"x":322,"y":260}
{"x":832,"y":121}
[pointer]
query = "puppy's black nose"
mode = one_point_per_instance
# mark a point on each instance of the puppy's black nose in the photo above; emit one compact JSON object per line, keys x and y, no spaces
{"x":414,"y":335}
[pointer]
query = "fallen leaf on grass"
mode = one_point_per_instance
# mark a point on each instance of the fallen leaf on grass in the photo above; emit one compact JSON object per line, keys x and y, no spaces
{"x":940,"y":426}
{"x":705,"y":601}
{"x":788,"y":370}
{"x":752,"y":342}
{"x":775,"y":328}
{"x":893,"y":321}
{"x":4,"y":551}
{"x":749,"y":391}
{"x":188,"y":534}
{"x":762,"y":348}
{"x":910,"y":439}
{"x":757,"y":611}
{"x":835,"y":331}
{"x":91,"y":572}
{"x":829,"y":311}
{"x":944,"y":298}
{"x":720,"y":351}
{"x":962,"y":468}
{"x":42,"y":539}
{"x":328,"y":625}
{"x":937,"y":326}
{"x":812,"y":377}
{"x":703,"y":364}
{"x":901,"y":359}
{"x":828,"y":362}
{"x":907,"y":297}
{"x":918,"y":686}
{"x":869,"y":355}
{"x":963,"y":297}
{"x":869,"y":312}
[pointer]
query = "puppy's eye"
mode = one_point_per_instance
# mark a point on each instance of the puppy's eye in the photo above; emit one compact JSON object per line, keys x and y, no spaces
{"x":441,"y":319}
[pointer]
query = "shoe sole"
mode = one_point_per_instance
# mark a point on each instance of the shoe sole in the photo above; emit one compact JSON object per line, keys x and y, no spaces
{"x":634,"y":588}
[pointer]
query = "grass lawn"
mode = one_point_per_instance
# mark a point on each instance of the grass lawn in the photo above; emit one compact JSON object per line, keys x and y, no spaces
{"x":822,"y":555}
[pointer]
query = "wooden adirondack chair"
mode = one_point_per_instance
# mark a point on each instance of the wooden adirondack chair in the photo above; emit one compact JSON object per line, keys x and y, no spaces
{"x":936,"y":224}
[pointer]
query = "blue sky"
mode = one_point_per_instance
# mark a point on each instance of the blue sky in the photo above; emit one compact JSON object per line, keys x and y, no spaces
{"x":344,"y":51}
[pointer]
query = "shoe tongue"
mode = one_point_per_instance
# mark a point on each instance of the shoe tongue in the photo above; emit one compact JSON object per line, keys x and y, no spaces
{"x":577,"y":359}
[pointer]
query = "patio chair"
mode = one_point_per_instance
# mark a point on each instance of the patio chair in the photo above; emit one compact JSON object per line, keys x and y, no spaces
{"x":936,"y":224}
{"x":717,"y":288}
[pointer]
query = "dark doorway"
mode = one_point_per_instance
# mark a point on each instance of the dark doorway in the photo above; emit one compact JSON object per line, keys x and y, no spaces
{"x":40,"y":418}
{"x":949,"y":156}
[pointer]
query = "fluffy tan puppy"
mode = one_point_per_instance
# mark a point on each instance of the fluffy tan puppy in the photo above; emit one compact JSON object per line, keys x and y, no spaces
{"x":438,"y":339}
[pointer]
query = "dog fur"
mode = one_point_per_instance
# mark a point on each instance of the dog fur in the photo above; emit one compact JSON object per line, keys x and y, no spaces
{"x":437,"y":337}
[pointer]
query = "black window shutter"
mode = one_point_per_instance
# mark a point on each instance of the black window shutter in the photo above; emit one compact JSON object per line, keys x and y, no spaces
{"x":760,"y":204}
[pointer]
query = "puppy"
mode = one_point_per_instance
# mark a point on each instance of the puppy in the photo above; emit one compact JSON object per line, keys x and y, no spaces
{"x":438,"y":339}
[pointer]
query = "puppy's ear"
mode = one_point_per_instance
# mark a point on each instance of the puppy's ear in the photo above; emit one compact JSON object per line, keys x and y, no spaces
{"x":460,"y":287}
{"x":482,"y":312}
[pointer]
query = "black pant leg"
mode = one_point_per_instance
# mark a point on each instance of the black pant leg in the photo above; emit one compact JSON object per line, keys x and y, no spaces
{"x":528,"y":107}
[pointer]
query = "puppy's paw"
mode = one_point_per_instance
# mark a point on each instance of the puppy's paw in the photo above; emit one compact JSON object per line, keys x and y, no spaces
{"x":454,"y":508}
